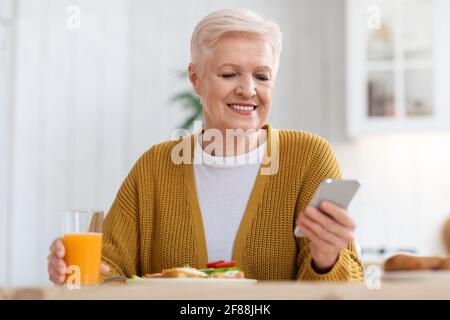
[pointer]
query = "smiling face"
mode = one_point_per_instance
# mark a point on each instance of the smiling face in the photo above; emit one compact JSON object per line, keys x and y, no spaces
{"x":236,"y":84}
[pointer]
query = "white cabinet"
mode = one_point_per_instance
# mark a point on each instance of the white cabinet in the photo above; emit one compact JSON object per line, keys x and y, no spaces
{"x":398,"y":70}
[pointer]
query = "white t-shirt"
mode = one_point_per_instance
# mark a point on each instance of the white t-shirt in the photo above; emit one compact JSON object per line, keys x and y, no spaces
{"x":223,"y":187}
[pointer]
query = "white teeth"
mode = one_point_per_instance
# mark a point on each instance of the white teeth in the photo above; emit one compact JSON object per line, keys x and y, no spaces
{"x":242,"y":108}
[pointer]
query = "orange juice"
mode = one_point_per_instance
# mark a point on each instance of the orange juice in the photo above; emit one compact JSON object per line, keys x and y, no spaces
{"x":84,"y":250}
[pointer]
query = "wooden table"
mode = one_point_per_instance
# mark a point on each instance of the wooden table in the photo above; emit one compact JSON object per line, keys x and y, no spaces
{"x":420,"y":289}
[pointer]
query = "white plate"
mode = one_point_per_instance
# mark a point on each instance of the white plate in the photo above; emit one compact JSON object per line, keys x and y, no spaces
{"x":416,"y":275}
{"x":212,"y":281}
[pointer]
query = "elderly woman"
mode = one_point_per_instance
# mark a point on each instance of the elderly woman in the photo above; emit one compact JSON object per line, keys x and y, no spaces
{"x":204,"y":197}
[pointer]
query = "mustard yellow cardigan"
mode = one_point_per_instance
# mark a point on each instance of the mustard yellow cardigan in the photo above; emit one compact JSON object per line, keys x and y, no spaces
{"x":155,"y":221}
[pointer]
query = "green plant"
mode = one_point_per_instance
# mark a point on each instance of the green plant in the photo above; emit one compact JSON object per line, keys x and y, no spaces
{"x":190,"y":102}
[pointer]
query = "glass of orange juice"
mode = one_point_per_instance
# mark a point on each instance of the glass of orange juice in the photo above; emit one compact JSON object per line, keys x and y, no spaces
{"x":83,"y":245}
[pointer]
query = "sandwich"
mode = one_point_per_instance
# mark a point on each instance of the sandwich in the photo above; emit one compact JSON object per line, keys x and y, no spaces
{"x":216,"y":269}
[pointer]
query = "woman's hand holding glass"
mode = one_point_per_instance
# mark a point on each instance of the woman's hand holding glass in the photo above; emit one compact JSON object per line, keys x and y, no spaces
{"x":57,"y":268}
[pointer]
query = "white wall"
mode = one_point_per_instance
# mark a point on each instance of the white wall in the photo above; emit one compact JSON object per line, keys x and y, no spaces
{"x":88,"y":102}
{"x":405,"y":194}
{"x":6,"y":51}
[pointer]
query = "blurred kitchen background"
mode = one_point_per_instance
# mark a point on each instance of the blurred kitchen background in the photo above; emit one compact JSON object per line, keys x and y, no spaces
{"x":86,"y":88}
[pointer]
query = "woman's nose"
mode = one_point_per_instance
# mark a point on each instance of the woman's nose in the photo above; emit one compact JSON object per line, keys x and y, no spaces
{"x":246,"y":88}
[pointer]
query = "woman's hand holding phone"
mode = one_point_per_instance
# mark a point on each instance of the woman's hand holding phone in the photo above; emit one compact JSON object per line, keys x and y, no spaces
{"x":330,"y":230}
{"x":328,"y":225}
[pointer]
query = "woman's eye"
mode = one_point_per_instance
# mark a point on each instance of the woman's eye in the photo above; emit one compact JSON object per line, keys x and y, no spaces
{"x":228,"y":75}
{"x":262,"y":77}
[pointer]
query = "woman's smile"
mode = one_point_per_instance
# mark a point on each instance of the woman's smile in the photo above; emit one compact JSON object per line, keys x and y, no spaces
{"x":244,"y":109}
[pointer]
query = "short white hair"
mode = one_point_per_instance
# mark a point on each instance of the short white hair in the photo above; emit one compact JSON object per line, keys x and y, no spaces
{"x":219,"y":23}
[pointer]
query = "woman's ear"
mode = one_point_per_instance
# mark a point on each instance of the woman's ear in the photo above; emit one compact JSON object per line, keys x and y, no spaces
{"x":194,"y":78}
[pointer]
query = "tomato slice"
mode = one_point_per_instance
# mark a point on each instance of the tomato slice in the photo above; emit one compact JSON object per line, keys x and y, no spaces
{"x":214,"y":263}
{"x":226,"y":264}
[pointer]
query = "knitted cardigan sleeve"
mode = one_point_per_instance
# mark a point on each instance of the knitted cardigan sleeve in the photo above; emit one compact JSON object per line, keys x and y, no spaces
{"x":348,"y":266}
{"x":121,"y":229}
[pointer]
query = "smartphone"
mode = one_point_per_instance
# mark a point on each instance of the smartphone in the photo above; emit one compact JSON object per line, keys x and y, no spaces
{"x":340,"y":192}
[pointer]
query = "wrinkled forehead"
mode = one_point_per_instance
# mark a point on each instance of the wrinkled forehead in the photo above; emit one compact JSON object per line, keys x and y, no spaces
{"x":245,"y":51}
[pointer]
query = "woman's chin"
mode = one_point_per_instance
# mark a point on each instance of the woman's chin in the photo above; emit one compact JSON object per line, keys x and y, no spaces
{"x":244,"y":124}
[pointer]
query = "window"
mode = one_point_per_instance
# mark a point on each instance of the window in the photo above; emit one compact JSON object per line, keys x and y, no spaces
{"x":397,"y":67}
